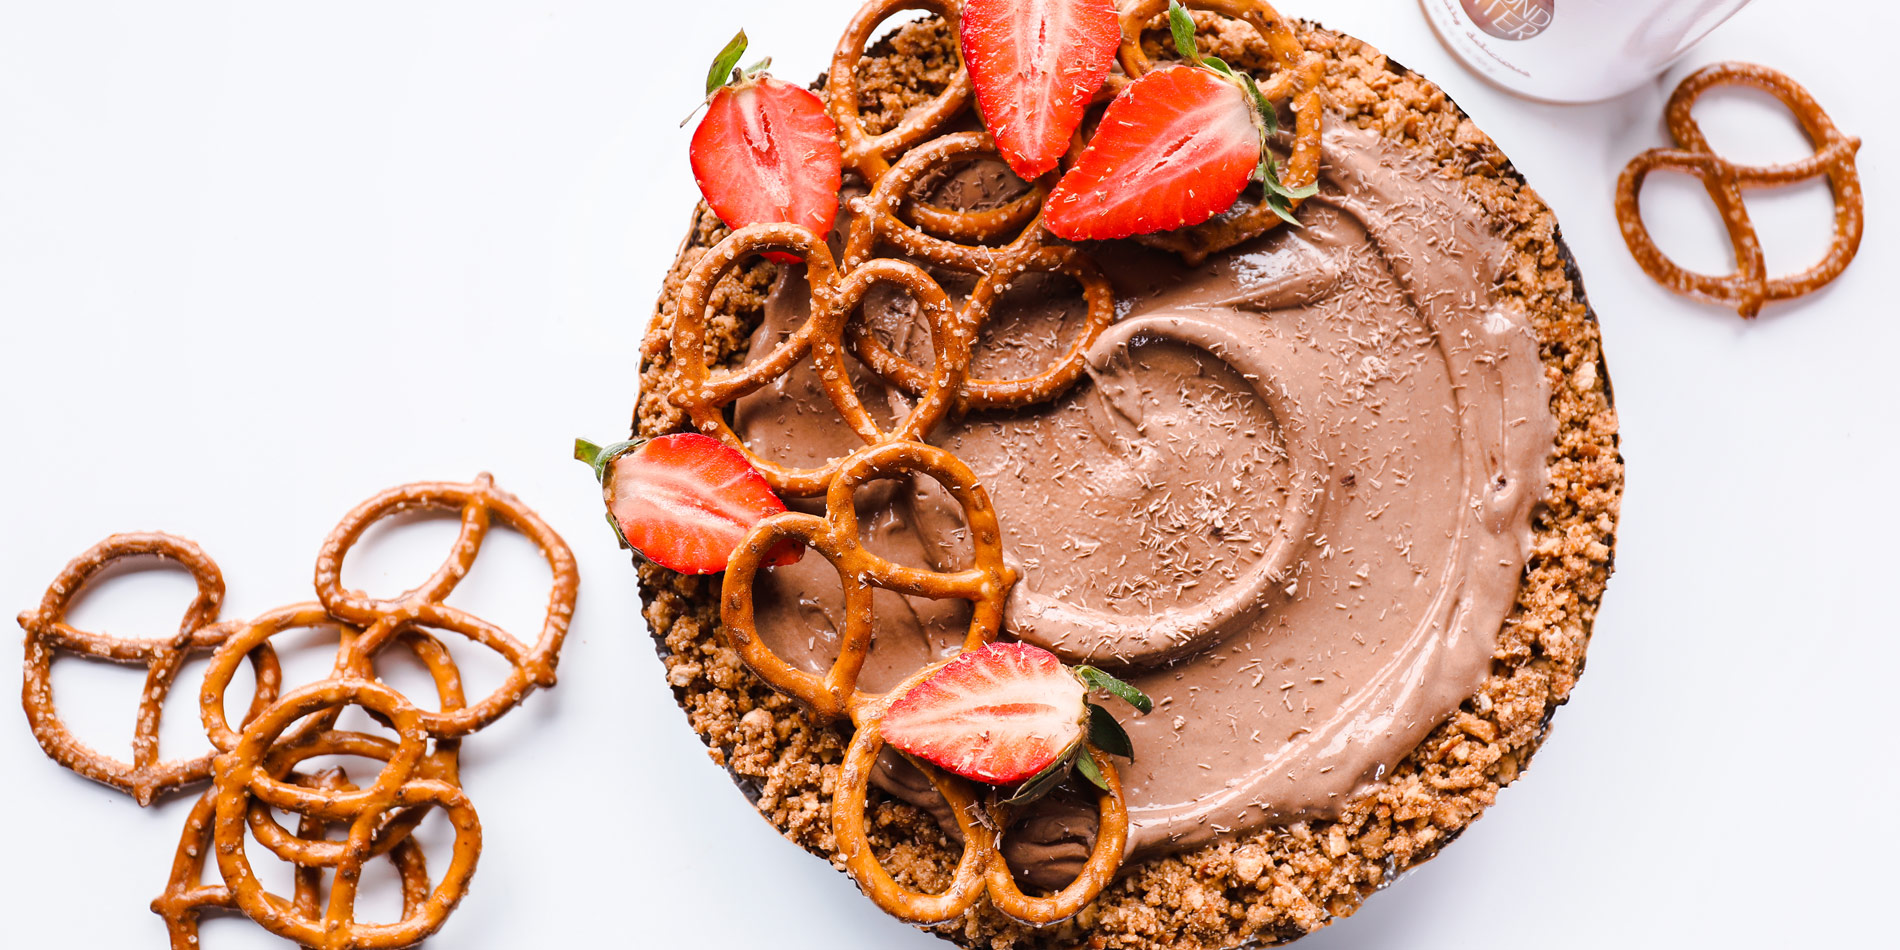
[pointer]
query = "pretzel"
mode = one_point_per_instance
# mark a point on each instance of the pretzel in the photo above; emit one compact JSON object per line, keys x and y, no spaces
{"x":835,"y":537}
{"x":244,"y":776}
{"x":880,"y":215}
{"x":1105,"y":857}
{"x":477,"y":502}
{"x":48,"y":633}
{"x":1296,"y":80}
{"x":1748,"y":287}
{"x":835,"y":695}
{"x":981,"y":868}
{"x":879,"y":219}
{"x":968,"y":882}
{"x":255,"y":767}
{"x":704,"y":394}
{"x":869,"y":155}
{"x":186,"y":897}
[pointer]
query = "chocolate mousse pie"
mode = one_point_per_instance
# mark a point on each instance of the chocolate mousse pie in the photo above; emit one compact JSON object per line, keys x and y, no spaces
{"x":1330,"y":477}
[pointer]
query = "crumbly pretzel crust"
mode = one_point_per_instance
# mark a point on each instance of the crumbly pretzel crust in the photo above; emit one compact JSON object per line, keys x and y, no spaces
{"x":1284,"y":881}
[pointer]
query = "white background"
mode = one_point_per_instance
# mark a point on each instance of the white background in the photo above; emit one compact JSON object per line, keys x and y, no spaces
{"x":260,"y":260}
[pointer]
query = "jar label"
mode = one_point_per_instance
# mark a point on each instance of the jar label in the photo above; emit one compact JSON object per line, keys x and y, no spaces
{"x":1511,"y":19}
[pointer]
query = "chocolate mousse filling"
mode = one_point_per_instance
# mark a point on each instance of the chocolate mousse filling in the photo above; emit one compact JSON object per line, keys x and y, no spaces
{"x":1292,"y":499}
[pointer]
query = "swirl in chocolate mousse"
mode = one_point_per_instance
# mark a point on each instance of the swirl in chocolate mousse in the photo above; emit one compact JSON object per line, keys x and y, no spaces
{"x":1291,"y":501}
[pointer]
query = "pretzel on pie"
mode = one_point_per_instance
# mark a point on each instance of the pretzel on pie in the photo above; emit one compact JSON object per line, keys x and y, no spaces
{"x":48,"y":633}
{"x":835,"y":537}
{"x":1749,"y":286}
{"x":981,"y":868}
{"x":704,"y":393}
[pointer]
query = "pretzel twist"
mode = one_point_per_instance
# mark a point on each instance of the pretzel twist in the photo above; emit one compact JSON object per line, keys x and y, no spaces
{"x":704,"y":393}
{"x":48,"y":633}
{"x":969,"y":879}
{"x":478,"y":503}
{"x":867,"y":154}
{"x":255,"y":766}
{"x":186,"y":898}
{"x":245,"y":778}
{"x":1749,"y":286}
{"x":1105,"y":857}
{"x":835,"y":695}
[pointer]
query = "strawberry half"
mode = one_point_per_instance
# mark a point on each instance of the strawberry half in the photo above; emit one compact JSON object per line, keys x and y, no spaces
{"x":767,"y":151}
{"x":1036,"y":64}
{"x":684,"y":501}
{"x":1176,"y":148}
{"x":1009,"y":714}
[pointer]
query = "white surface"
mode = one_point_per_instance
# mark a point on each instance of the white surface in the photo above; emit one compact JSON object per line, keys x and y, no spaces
{"x":259,"y":260}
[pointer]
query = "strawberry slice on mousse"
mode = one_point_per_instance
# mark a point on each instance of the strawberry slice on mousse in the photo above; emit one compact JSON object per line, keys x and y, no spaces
{"x":1176,"y":148}
{"x":1010,"y":714}
{"x":1036,"y":64}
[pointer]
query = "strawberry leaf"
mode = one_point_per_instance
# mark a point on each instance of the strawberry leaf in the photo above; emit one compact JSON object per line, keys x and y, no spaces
{"x":1283,"y":208}
{"x":1096,"y":679}
{"x":723,"y":64}
{"x":1045,"y":781}
{"x":621,"y":536}
{"x":599,"y":458}
{"x":1108,"y":735}
{"x":1182,"y":26}
{"x":1086,"y":766}
{"x":1269,"y":116}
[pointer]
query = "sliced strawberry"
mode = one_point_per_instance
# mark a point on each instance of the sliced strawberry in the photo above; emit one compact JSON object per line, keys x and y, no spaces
{"x":1177,"y":147}
{"x":998,"y":715}
{"x":766,"y":152}
{"x":1036,"y":64}
{"x":685,"y":501}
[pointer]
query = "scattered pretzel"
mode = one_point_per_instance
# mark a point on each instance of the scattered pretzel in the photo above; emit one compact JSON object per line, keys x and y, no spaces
{"x":402,"y":784}
{"x":256,"y":762}
{"x":186,"y":897}
{"x":48,"y":633}
{"x":477,"y":503}
{"x":1749,"y":286}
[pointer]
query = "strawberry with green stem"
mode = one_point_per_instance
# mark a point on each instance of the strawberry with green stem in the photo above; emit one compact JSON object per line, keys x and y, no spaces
{"x":1010,"y":714}
{"x":684,"y":501}
{"x":1177,"y":147}
{"x":767,"y":151}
